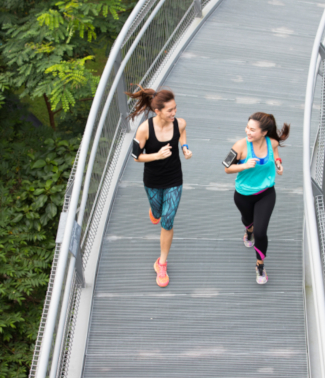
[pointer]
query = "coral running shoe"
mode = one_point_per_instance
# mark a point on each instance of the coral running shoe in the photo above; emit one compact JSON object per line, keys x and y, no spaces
{"x":152,"y":218}
{"x":162,"y":276}
{"x":249,"y":243}
{"x":261,"y":276}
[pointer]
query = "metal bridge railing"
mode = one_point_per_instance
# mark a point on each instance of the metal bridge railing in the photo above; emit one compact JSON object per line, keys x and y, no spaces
{"x":314,"y":189}
{"x":146,"y":41}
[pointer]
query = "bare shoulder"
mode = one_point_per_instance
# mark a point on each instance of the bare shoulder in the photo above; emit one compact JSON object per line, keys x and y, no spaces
{"x":274,"y":143}
{"x":239,"y":145}
{"x":181,"y":124}
{"x":143,"y":130}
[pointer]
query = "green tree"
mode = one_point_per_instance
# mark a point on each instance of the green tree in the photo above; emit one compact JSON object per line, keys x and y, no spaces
{"x":45,"y":47}
{"x":34,"y":169}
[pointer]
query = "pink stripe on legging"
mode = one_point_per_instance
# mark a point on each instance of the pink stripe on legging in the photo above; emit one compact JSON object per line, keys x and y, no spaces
{"x":249,"y":226}
{"x":260,"y":253}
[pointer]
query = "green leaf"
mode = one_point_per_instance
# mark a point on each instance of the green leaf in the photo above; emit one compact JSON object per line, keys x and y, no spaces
{"x":49,"y":141}
{"x":63,"y":143}
{"x":37,"y":225}
{"x":40,"y":202}
{"x":48,"y":184}
{"x":39,"y":164}
{"x":38,"y":192}
{"x":56,"y":176}
{"x":51,"y":156}
{"x":51,"y":210}
{"x":17,"y":218}
{"x":44,"y":219}
{"x":30,"y":215}
{"x":57,"y":199}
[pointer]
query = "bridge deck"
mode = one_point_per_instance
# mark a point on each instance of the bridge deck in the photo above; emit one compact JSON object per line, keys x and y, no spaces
{"x":213,"y":320}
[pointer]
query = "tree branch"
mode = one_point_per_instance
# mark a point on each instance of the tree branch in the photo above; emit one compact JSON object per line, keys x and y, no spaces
{"x":51,"y":114}
{"x":86,"y":99}
{"x":57,"y":111}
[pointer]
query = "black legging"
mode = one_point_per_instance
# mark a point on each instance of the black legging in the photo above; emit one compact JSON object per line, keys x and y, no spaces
{"x":257,"y":210}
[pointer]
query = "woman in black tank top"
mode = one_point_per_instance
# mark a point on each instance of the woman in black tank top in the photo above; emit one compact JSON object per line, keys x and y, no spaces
{"x":165,"y":173}
{"x":163,"y":179}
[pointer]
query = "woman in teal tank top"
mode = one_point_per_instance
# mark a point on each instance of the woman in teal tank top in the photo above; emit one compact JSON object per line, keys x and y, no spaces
{"x":256,"y":165}
{"x":252,"y":181}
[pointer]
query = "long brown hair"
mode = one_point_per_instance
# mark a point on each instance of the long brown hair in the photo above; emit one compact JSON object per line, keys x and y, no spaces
{"x":149,"y":100}
{"x":268,"y":123}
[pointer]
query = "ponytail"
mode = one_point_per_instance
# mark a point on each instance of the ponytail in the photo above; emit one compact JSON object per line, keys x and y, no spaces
{"x":149,"y":100}
{"x":268,"y":123}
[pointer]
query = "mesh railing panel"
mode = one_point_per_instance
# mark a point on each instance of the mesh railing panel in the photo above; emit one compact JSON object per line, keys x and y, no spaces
{"x":143,"y":14}
{"x":106,"y":138}
{"x":156,"y":44}
{"x":320,"y":214}
{"x":321,"y":139}
{"x":91,"y":234}
{"x":69,"y":328}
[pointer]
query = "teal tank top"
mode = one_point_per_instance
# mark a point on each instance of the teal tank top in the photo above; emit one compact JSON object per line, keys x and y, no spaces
{"x":261,"y":177}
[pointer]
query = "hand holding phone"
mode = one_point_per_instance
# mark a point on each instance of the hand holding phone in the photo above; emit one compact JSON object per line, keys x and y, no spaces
{"x":279,"y":168}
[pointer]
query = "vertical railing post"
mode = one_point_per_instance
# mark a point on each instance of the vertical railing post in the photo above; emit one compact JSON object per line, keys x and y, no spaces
{"x":198,"y":8}
{"x":121,"y":96}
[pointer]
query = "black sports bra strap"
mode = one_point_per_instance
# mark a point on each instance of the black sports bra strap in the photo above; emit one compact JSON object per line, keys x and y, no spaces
{"x":151,"y":129}
{"x":177,"y":133}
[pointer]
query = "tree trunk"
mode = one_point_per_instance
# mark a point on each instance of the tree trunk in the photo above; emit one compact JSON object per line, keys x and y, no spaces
{"x":51,"y":113}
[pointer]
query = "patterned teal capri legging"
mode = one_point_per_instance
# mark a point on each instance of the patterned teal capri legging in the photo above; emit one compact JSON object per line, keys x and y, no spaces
{"x":164,"y":204}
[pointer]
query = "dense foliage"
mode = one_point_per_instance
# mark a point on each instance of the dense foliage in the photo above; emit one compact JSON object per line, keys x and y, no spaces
{"x":34,"y":168}
{"x":45,"y":46}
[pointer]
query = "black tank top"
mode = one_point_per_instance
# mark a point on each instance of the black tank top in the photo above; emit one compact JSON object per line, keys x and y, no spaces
{"x":165,"y":173}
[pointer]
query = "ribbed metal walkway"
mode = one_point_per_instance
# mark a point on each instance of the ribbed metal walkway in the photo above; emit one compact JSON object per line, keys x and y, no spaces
{"x":213,"y":320}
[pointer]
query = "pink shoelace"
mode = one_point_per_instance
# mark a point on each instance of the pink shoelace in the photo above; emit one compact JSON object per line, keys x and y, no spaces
{"x":162,"y":270}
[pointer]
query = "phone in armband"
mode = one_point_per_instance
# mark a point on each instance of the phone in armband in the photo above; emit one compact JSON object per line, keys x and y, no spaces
{"x":231,"y":157}
{"x":136,"y":150}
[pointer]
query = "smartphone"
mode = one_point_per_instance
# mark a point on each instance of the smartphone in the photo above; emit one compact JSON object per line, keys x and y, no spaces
{"x":231,"y":157}
{"x":136,"y":150}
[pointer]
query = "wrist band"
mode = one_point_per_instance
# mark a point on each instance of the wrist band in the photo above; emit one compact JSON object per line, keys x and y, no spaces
{"x":280,"y":160}
{"x":185,"y":145}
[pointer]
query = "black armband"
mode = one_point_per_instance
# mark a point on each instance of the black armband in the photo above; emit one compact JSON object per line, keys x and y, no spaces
{"x":136,"y":150}
{"x":230,"y":159}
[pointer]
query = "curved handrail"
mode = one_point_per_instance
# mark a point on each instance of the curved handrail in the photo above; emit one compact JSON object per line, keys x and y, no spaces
{"x":50,"y":323}
{"x":310,"y":215}
{"x":91,"y":161}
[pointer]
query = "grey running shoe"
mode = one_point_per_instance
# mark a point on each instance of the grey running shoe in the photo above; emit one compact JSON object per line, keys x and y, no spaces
{"x":261,"y":276}
{"x":249,"y":243}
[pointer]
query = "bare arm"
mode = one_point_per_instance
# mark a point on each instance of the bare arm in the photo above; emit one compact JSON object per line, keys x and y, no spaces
{"x":182,"y":139}
{"x":239,"y":147}
{"x":235,"y":168}
{"x":275,"y":146}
